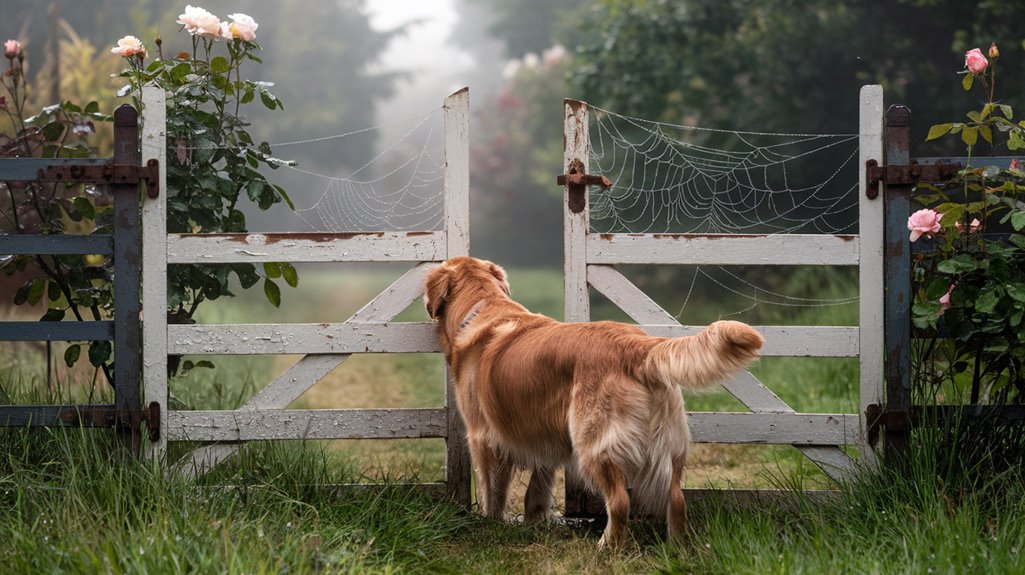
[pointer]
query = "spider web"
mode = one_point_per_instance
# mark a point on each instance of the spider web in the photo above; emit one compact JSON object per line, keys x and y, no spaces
{"x":399,"y":189}
{"x":683,"y":179}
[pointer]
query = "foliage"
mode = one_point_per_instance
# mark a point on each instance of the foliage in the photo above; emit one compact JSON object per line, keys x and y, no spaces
{"x":780,"y":65}
{"x":69,"y":285}
{"x":212,"y":162}
{"x":975,"y":284}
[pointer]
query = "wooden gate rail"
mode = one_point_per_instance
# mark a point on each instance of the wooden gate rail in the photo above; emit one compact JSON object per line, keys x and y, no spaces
{"x":323,"y":346}
{"x":820,"y":436}
{"x":124,"y":174}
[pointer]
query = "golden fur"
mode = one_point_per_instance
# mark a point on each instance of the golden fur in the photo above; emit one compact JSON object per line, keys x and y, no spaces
{"x":603,"y":396}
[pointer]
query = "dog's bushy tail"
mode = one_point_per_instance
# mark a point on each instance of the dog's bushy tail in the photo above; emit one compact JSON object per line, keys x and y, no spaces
{"x":698,"y":361}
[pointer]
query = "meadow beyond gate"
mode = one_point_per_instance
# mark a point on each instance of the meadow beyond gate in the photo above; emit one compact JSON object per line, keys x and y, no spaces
{"x":323,"y":346}
{"x":589,"y":257}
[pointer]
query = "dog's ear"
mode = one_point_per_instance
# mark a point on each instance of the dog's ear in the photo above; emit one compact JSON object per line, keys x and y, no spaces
{"x":499,"y":274}
{"x":436,"y":291}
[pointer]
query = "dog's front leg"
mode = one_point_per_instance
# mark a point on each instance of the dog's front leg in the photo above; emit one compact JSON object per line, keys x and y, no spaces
{"x":494,"y":473}
{"x":537,"y":505}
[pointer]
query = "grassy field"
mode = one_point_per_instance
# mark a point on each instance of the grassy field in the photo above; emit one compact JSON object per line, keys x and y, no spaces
{"x":68,"y":505}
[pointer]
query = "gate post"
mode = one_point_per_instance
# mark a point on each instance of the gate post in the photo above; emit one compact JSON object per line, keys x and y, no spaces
{"x":458,"y":467}
{"x":870,"y":265}
{"x":576,"y":141}
{"x":897,"y":325}
{"x":127,"y":267}
{"x":154,"y":269}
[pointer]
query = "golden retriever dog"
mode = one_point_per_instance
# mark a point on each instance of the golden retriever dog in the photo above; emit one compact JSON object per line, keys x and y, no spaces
{"x":604,"y":397}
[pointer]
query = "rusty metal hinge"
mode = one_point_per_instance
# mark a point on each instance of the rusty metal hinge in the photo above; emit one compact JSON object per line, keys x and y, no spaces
{"x":96,"y":416}
{"x":577,"y":181}
{"x":106,"y":174}
{"x":909,"y":174}
{"x":877,"y":417}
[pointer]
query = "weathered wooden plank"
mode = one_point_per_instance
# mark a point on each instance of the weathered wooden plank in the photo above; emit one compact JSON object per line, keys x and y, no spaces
{"x":457,"y":227}
{"x":306,"y":247}
{"x":15,"y":169}
{"x":576,"y":133}
{"x":99,"y":244}
{"x":290,"y":424}
{"x":457,"y":174}
{"x":56,"y":330}
{"x":154,"y":266}
{"x":870,"y":272}
{"x":45,"y":415}
{"x":774,"y":428}
{"x":714,"y":249}
{"x":628,"y":297}
{"x":300,"y":338}
{"x":783,"y":340}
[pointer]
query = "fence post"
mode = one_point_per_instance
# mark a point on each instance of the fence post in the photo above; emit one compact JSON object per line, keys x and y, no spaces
{"x":154,"y":268}
{"x":577,"y":305}
{"x":127,"y":266}
{"x":870,"y":265}
{"x":457,"y":241}
{"x":897,"y":306}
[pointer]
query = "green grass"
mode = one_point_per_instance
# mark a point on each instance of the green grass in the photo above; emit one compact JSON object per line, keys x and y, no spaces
{"x":70,"y":504}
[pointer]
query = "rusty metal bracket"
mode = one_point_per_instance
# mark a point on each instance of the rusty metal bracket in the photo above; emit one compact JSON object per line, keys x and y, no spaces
{"x":909,"y":174}
{"x":577,"y":181}
{"x":877,"y":417}
{"x":106,"y":174}
{"x":96,"y":416}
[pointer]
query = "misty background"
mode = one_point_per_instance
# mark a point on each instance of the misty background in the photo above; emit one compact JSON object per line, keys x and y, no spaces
{"x":344,"y":66}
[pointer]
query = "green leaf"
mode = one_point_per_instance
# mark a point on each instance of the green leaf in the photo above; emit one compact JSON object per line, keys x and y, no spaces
{"x":987,"y":302}
{"x":938,"y":130}
{"x":35,"y":293}
{"x":1018,"y":220}
{"x":974,"y":116}
{"x":959,"y":264}
{"x":1016,"y":291}
{"x":85,"y":207}
{"x":269,"y":100}
{"x":204,"y":363}
{"x":987,"y":134}
{"x":967,"y":82}
{"x":1018,"y":240}
{"x":970,"y":135}
{"x":92,"y":107}
{"x":284,"y":196}
{"x":52,"y":131}
{"x":288,"y":272}
{"x":272,"y":269}
{"x":21,"y":294}
{"x":99,"y":352}
{"x":1008,"y":113}
{"x":273,"y":292}
{"x":72,"y":354}
{"x":219,"y":65}
{"x":53,"y":314}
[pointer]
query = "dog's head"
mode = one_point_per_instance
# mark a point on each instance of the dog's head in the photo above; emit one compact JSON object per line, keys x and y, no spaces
{"x":462,"y":276}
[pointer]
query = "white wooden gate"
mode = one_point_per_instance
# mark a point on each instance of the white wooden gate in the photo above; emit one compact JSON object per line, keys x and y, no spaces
{"x":820,"y":436}
{"x":369,"y":330}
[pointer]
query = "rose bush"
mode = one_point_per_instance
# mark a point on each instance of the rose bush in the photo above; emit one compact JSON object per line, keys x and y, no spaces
{"x":212,"y":160}
{"x":973,"y":284}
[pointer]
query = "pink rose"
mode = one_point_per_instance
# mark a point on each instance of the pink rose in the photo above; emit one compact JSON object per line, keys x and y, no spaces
{"x":12,"y":48}
{"x":973,"y":227}
{"x":945,"y":298}
{"x":129,"y":46}
{"x":199,"y":22}
{"x":924,"y":222}
{"x":242,"y":27}
{"x":975,"y":61}
{"x":1014,"y":164}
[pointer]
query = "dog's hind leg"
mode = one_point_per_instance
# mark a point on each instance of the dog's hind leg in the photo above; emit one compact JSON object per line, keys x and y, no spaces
{"x":610,"y":480}
{"x":677,"y":513}
{"x":537,"y":505}
{"x":494,"y":473}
